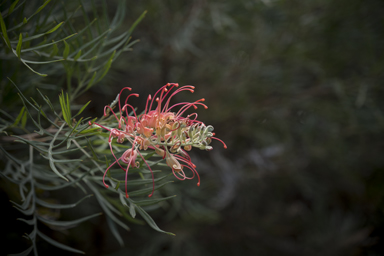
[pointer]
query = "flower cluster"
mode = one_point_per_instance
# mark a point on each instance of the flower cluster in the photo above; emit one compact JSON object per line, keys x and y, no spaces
{"x":162,"y":129}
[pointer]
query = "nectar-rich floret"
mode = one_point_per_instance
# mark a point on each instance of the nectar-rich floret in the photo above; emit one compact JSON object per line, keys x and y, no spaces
{"x":163,"y":129}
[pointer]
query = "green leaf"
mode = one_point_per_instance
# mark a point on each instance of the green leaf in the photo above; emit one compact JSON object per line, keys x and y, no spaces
{"x":65,"y":108}
{"x":40,"y":62}
{"x":18,"y":118}
{"x":128,"y":47}
{"x":77,"y":55}
{"x":40,"y":74}
{"x":23,"y":99}
{"x":92,"y":42}
{"x":40,"y":8}
{"x":90,"y":131}
{"x":69,"y":134}
{"x":12,"y":6}
{"x":19,"y":44}
{"x":45,"y":45}
{"x":55,"y":28}
{"x":4,"y":32}
{"x":69,"y":107}
{"x":41,"y":111}
{"x":24,"y":120}
{"x":27,"y":43}
{"x":123,"y":43}
{"x":146,"y":191}
{"x":91,"y":81}
{"x":107,"y":66}
{"x":119,"y":16}
{"x":66,"y":50}
{"x":30,"y":38}
{"x":117,"y":39}
{"x":85,"y":130}
{"x":55,"y":50}
{"x":144,"y":181}
{"x":51,"y":160}
{"x":82,"y":109}
{"x":85,"y":15}
{"x":92,"y":150}
{"x":46,"y":99}
{"x":137,"y":21}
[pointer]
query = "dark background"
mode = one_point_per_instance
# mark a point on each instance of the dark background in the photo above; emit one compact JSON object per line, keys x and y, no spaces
{"x":295,"y":89}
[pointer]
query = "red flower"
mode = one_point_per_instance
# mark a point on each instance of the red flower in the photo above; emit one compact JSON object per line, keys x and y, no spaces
{"x":161,"y":130}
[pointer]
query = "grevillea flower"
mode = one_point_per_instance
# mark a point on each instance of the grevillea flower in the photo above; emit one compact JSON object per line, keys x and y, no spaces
{"x":162,"y":129}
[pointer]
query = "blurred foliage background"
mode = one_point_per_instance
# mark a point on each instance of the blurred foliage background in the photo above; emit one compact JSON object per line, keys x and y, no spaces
{"x":294,"y":88}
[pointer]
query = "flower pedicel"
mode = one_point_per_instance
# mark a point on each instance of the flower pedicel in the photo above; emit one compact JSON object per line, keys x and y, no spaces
{"x":167,"y":132}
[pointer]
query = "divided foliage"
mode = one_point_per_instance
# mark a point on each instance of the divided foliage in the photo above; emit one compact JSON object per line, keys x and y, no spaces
{"x":44,"y":148}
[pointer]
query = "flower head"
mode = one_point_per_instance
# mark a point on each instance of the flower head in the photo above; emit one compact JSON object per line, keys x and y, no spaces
{"x":162,"y":129}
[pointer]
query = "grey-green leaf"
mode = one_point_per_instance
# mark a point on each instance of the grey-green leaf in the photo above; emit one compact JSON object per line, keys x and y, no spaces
{"x":19,"y":44}
{"x":60,"y":206}
{"x":69,"y":223}
{"x":23,"y":253}
{"x":132,"y":210}
{"x":150,"y":221}
{"x":66,"y":50}
{"x":152,"y":201}
{"x":57,"y":244}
